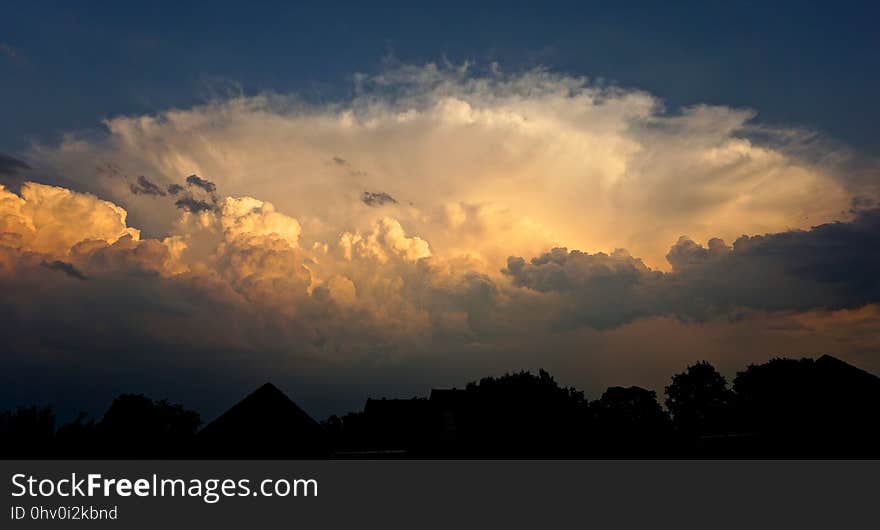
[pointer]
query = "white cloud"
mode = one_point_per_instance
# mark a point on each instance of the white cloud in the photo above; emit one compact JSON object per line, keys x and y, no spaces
{"x":569,"y":163}
{"x":285,"y":260}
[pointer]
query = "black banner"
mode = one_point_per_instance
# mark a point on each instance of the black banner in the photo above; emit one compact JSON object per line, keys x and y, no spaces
{"x":452,"y":494}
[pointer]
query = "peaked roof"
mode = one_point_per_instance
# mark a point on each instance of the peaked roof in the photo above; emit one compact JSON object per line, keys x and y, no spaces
{"x":843,"y":372}
{"x":267,"y":404}
{"x":267,"y":419}
{"x":833,"y":363}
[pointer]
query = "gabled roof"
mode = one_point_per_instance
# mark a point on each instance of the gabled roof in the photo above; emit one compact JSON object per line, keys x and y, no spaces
{"x":832,"y":366}
{"x":265,"y":424}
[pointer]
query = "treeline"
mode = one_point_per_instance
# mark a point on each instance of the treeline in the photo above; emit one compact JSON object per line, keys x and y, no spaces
{"x":784,"y":408}
{"x":134,"y":426}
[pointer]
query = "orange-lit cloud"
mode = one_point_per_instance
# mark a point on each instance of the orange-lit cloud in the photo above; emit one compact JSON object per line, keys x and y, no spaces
{"x":490,"y":165}
{"x":425,"y":219}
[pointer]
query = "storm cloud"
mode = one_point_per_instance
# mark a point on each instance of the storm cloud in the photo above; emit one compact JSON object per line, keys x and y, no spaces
{"x":272,"y":267}
{"x":831,"y":266}
{"x":490,"y":164}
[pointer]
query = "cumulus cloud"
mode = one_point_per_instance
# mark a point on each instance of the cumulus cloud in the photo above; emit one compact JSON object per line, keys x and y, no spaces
{"x":830,"y":266}
{"x":235,"y":285}
{"x":575,"y":164}
{"x":386,"y":235}
{"x":252,"y":218}
{"x":270,"y":261}
{"x":51,"y":220}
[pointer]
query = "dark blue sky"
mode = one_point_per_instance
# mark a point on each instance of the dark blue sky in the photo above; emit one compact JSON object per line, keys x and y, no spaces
{"x":65,"y":67}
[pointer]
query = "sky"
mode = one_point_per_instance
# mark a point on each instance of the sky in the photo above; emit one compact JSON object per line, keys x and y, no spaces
{"x":356,"y":201}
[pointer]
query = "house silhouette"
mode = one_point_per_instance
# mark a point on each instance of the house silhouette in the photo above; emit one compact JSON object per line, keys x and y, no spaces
{"x":264,"y":425}
{"x":802,"y":408}
{"x":846,"y":415}
{"x":398,"y":425}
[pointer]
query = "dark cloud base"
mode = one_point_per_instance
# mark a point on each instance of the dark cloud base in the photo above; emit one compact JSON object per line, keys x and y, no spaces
{"x":74,"y":343}
{"x":380,"y":198}
{"x":186,"y":200}
{"x":144,"y":186}
{"x":66,"y":268}
{"x":831,"y":266}
{"x":12,"y":171}
{"x":207,"y":185}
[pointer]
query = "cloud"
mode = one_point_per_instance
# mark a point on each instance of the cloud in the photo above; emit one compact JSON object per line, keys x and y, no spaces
{"x":12,"y":172}
{"x":387,"y":235}
{"x":8,"y":50}
{"x":380,"y":198}
{"x":235,"y":287}
{"x":275,"y":267}
{"x":51,"y":220}
{"x":831,"y":266}
{"x":339,"y":161}
{"x":143,"y":186}
{"x":10,"y":165}
{"x":195,"y":180}
{"x":194,"y":205}
{"x":862,"y":202}
{"x":247,"y":218}
{"x":64,"y":267}
{"x":186,"y":201}
{"x":576,"y":164}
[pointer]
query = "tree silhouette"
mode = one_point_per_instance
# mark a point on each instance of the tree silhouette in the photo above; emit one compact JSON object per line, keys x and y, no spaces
{"x":26,"y":431}
{"x":699,"y":400}
{"x":776,"y":396}
{"x":631,"y":421}
{"x":78,"y":439}
{"x":522,"y":413}
{"x":135,"y":426}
